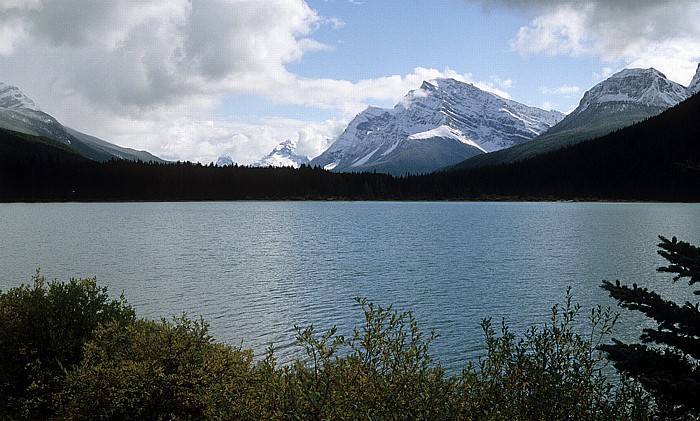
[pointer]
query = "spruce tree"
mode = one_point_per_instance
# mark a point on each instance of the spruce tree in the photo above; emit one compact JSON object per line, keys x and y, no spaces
{"x":667,"y":362}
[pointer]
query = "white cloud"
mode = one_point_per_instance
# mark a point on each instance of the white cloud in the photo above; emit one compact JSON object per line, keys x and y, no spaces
{"x":664,"y":34}
{"x":133,"y":55}
{"x":561,"y":90}
{"x":561,"y":31}
{"x":10,"y":33}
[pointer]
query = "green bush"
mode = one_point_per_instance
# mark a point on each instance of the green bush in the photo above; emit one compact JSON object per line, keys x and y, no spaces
{"x":383,"y":371}
{"x":92,"y":359}
{"x":150,"y":370}
{"x":553,"y":372}
{"x":42,"y":332}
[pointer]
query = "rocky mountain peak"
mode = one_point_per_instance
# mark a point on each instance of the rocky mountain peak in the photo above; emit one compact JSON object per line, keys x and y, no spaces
{"x":694,"y":86}
{"x":12,"y":98}
{"x":439,"y":124}
{"x":646,"y":87}
{"x":283,"y":155}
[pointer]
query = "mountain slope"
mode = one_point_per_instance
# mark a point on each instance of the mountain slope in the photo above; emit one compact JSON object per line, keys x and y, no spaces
{"x":18,"y":113}
{"x":657,"y":159}
{"x":694,"y":86}
{"x":283,"y":155}
{"x":625,"y":98}
{"x":16,"y":146}
{"x":439,"y":124}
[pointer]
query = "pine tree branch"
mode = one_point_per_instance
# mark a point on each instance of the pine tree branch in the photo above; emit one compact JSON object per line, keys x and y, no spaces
{"x":684,"y":259}
{"x":665,"y":374}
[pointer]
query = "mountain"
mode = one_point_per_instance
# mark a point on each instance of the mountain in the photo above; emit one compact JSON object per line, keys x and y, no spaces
{"x":18,"y":113}
{"x":694,"y":86}
{"x":284,"y":155}
{"x":224,"y":161}
{"x":441,"y":123}
{"x":656,"y":159}
{"x":625,"y":98}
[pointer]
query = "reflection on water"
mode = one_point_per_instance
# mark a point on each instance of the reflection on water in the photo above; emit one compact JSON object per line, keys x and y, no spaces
{"x":254,"y":269}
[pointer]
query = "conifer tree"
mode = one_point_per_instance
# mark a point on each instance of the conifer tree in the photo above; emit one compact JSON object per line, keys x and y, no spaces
{"x":667,"y":362}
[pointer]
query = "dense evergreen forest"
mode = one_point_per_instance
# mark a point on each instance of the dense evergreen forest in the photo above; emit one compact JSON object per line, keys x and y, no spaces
{"x":653,"y":160}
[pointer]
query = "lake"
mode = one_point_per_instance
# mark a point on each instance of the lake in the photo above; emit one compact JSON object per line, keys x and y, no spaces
{"x":255,"y":269}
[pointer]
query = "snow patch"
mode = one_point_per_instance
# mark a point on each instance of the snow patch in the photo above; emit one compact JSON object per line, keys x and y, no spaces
{"x":364,"y":159}
{"x":445,"y":132}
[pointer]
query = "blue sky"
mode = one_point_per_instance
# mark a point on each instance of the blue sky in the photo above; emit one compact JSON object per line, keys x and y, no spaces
{"x":201,"y":79}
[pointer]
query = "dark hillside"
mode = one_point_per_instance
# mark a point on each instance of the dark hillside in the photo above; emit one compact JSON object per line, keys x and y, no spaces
{"x":647,"y":161}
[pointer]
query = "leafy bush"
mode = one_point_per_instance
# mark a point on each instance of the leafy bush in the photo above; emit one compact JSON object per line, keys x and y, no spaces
{"x":113,"y":366}
{"x":553,"y":372}
{"x":42,"y":332}
{"x":383,"y":371}
{"x":156,"y":370}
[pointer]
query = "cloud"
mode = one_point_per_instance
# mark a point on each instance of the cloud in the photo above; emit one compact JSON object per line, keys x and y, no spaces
{"x":151,"y":74}
{"x":663,"y":33}
{"x":133,"y":55}
{"x":561,"y":90}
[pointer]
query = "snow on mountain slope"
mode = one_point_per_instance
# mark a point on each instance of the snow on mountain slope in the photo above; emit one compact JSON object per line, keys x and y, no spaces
{"x":445,"y":132}
{"x":452,"y":120}
{"x":647,"y":87}
{"x":225,"y":161}
{"x":694,"y":86}
{"x":284,"y":155}
{"x":19,"y":113}
{"x":12,"y":98}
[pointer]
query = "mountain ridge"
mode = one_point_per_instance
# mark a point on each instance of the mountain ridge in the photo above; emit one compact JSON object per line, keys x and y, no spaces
{"x":20,"y":114}
{"x":623,"y":99}
{"x":440,"y":123}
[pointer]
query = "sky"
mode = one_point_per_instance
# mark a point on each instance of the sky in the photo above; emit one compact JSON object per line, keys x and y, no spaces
{"x":193,"y":80}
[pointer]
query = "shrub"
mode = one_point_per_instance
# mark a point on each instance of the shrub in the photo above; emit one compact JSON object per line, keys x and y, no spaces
{"x":73,"y":354}
{"x":552,"y":373}
{"x":384,"y":371}
{"x":42,"y":331}
{"x":150,"y":370}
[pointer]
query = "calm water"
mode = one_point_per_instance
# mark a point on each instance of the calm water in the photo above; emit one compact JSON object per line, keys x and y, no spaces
{"x":253,"y":270}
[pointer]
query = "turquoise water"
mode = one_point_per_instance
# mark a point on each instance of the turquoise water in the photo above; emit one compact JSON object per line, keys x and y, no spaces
{"x":255,"y":269}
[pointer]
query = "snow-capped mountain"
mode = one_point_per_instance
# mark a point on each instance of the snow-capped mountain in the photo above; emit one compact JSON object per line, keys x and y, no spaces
{"x":623,"y":99}
{"x":641,"y":87}
{"x":694,"y":86}
{"x":441,"y":123}
{"x":284,"y":155}
{"x":19,"y":113}
{"x":12,"y":98}
{"x":225,"y":161}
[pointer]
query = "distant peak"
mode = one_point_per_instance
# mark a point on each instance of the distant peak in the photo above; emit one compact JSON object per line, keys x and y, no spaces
{"x":288,"y":144}
{"x":644,"y":87}
{"x":283,"y":155}
{"x":635,"y":72}
{"x":12,"y":98}
{"x":224,"y":161}
{"x":694,"y":86}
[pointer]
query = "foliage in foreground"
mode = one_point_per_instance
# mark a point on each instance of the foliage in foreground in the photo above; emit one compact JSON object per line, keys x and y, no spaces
{"x":71,"y":353}
{"x":667,"y":361}
{"x":43,"y":329}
